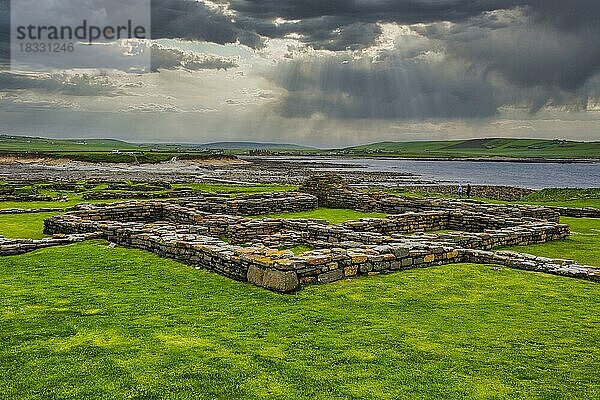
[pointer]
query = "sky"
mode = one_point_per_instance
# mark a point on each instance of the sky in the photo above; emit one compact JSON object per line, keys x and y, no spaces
{"x":325,"y":73}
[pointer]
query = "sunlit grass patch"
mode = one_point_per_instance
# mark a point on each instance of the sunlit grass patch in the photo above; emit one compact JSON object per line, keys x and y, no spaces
{"x":583,"y":246}
{"x":26,"y":226}
{"x":332,"y":215}
{"x":88,"y":321}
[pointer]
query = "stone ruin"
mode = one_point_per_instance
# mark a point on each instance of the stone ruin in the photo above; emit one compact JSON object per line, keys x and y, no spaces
{"x":216,"y":233}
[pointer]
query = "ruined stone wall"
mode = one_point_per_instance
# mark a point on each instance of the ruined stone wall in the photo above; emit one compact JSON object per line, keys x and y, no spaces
{"x":588,"y":212}
{"x":266,"y":203}
{"x":433,"y":221}
{"x":11,"y":247}
{"x":138,"y":194}
{"x":503,"y":193}
{"x":333,"y":192}
{"x":528,"y":262}
{"x":521,"y":235}
{"x":195,"y":210}
{"x":211,"y":232}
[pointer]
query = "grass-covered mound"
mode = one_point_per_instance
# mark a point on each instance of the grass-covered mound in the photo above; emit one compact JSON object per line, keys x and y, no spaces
{"x":87,"y":321}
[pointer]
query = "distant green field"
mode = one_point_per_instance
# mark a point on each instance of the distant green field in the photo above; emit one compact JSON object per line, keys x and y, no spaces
{"x":23,"y":226}
{"x":104,"y":150}
{"x":100,"y":150}
{"x":35,"y":144}
{"x":518,"y":148}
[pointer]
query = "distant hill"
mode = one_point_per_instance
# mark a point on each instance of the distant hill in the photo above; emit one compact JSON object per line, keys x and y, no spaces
{"x":472,"y":148}
{"x":27,"y":143}
{"x":488,"y":147}
{"x":38,"y":144}
{"x":253,"y":145}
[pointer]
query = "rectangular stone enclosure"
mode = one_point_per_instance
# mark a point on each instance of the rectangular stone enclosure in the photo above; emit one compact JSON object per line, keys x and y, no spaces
{"x":215,"y":233}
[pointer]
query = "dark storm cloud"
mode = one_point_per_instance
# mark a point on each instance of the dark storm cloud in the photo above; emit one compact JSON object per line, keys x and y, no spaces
{"x":566,"y":15}
{"x":535,"y":55}
{"x":350,"y":25}
{"x":495,"y":52}
{"x":548,"y":44}
{"x":545,"y":51}
{"x":394,"y":89}
{"x":4,"y":32}
{"x":322,"y":33}
{"x":556,"y":45}
{"x":403,"y":11}
{"x":193,"y":20}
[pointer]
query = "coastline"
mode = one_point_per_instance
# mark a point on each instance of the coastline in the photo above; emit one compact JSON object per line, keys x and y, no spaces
{"x":471,"y":159}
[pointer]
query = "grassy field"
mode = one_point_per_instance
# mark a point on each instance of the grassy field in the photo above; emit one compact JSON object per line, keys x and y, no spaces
{"x":583,"y":246}
{"x":104,"y":150}
{"x":87,"y":321}
{"x":37,"y":144}
{"x":566,"y":198}
{"x":577,"y":198}
{"x":237,"y":189}
{"x":39,"y":204}
{"x":23,"y":226}
{"x":497,"y":147}
{"x":332,"y":215}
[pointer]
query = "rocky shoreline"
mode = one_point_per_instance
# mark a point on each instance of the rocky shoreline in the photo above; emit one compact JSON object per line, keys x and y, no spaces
{"x":249,"y":171}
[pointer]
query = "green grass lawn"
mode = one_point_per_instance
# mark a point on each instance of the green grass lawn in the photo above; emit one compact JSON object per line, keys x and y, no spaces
{"x":333,"y":215}
{"x":577,"y":198}
{"x":23,"y":225}
{"x":38,"y":204}
{"x":87,"y":321}
{"x":583,"y":246}
{"x":580,"y":203}
{"x":237,"y":189}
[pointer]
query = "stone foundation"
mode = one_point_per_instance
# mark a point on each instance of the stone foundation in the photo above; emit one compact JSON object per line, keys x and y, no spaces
{"x":334,"y":193}
{"x":214,"y":232}
{"x":11,"y":247}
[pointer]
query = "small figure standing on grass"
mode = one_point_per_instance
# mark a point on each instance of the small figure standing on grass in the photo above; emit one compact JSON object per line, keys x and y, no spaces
{"x":460,"y":191}
{"x":468,"y":190}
